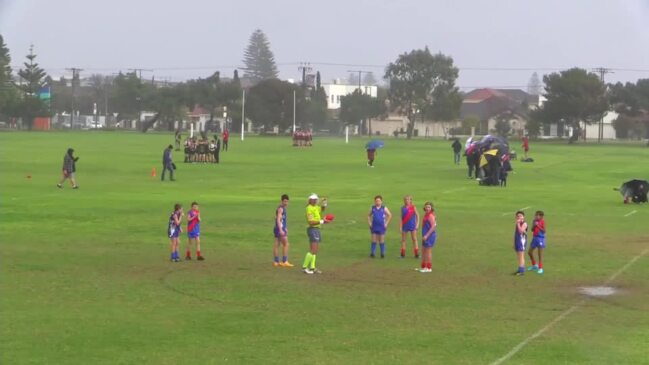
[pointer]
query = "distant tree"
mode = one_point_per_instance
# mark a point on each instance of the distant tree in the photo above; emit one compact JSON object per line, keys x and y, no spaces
{"x":534,"y":86}
{"x":417,"y":79}
{"x":315,"y":109}
{"x":129,"y":95}
{"x":369,"y":79}
{"x":631,"y":102}
{"x":358,"y":107}
{"x":7,"y":90}
{"x":573,"y":96}
{"x":502,"y":126}
{"x":318,"y":81}
{"x":169,"y":104}
{"x":235,"y":77}
{"x":258,"y":59}
{"x":270,"y":104}
{"x":32,"y":79}
{"x":32,"y":76}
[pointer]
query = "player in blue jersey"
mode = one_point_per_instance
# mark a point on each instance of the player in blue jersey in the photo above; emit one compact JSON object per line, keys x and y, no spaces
{"x":281,"y":234}
{"x":520,"y":240}
{"x":538,"y":241}
{"x":409,"y":224}
{"x":428,"y":237}
{"x":194,"y":232}
{"x":173,"y":231}
{"x":378,"y":219}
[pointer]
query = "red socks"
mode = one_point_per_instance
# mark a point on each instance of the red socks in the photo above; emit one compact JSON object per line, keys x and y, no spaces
{"x":198,"y":253}
{"x":540,"y":265}
{"x":416,"y":252}
{"x":403,"y":252}
{"x":423,"y":265}
{"x":188,"y":254}
{"x":429,"y":265}
{"x":534,"y":262}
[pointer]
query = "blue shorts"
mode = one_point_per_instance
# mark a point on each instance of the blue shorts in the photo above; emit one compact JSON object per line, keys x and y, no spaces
{"x":430,"y":242}
{"x":408,"y":228}
{"x":276,"y":233}
{"x":519,"y":246}
{"x":194,"y":235}
{"x":314,"y":234}
{"x":380,"y":230}
{"x":538,"y":242}
{"x":173,"y":234}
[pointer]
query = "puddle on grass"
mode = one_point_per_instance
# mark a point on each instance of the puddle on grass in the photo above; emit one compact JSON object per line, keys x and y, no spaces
{"x":597,"y":291}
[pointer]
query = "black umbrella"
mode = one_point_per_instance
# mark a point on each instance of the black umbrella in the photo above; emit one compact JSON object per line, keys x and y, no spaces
{"x":636,"y":190}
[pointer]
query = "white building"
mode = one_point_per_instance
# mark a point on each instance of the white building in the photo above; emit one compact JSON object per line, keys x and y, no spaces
{"x":336,"y":90}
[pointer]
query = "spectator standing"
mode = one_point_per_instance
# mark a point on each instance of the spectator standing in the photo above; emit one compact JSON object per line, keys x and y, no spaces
{"x":226,"y":139}
{"x":69,"y":169}
{"x":457,"y":148}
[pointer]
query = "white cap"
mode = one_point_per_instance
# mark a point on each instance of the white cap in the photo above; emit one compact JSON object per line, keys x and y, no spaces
{"x":313,"y":196}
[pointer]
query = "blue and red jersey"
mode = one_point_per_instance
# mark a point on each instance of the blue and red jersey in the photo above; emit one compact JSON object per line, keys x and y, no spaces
{"x":193,"y":224}
{"x":539,"y":228}
{"x":408,"y":218}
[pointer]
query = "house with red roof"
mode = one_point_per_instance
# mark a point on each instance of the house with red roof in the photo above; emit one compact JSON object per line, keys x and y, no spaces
{"x":490,"y":105}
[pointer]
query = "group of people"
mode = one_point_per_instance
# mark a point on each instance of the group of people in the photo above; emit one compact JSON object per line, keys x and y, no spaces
{"x":202,"y":150}
{"x":488,"y":160}
{"x":378,"y":219}
{"x":302,"y":138}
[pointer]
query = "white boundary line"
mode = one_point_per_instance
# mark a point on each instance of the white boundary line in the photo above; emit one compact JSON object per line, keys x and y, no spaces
{"x":631,"y":213}
{"x":453,"y":190}
{"x":563,"y":315}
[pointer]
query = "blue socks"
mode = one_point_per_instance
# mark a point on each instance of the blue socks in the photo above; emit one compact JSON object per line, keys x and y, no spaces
{"x":521,"y":269}
{"x":174,"y":255}
{"x":277,"y":259}
{"x":382,"y":249}
{"x":373,"y":248}
{"x":284,"y":258}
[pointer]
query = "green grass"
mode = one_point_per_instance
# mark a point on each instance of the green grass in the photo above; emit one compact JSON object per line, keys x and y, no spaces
{"x":85,"y":277}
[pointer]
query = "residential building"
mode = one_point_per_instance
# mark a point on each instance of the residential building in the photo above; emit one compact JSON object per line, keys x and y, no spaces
{"x":336,"y":90}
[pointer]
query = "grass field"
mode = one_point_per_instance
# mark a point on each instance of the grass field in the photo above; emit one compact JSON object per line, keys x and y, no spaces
{"x":86,"y":280}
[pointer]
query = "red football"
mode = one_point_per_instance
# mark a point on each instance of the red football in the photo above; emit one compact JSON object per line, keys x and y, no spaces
{"x":329,"y":217}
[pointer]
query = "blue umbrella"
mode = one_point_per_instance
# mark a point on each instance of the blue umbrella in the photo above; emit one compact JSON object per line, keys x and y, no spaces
{"x":374,"y":144}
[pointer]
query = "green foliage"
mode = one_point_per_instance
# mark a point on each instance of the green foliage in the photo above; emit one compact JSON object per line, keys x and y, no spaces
{"x":573,"y":96}
{"x":359,"y":107}
{"x":270,"y":103}
{"x":129,"y":95}
{"x":502,"y":126}
{"x":258,"y":59}
{"x":7,"y":90}
{"x":32,"y":76}
{"x":315,"y":109}
{"x":422,"y":83}
{"x":534,"y":86}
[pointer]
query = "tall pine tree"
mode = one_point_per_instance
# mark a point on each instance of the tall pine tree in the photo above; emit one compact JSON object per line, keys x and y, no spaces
{"x":5,"y":75}
{"x":258,"y":58}
{"x":32,"y":76}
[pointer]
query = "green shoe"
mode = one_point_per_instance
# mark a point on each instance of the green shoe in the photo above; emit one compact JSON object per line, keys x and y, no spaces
{"x":533,"y":268}
{"x":540,"y":271}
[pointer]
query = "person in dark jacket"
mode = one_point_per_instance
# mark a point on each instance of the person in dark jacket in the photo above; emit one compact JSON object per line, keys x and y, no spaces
{"x":217,"y":150}
{"x":167,"y":163}
{"x":69,"y":169}
{"x":457,"y":148}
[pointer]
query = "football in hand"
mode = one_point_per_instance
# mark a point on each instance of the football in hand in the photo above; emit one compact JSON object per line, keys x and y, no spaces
{"x":329,"y":217}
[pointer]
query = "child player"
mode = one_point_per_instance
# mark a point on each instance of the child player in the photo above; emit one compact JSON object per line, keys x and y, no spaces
{"x":281,"y":234}
{"x":378,"y":219}
{"x":520,"y":239}
{"x":538,"y":241}
{"x":429,"y":236}
{"x":173,"y":231}
{"x":194,"y":232}
{"x":409,"y":223}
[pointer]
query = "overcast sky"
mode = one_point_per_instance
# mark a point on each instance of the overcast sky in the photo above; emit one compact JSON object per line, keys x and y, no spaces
{"x":192,"y":38}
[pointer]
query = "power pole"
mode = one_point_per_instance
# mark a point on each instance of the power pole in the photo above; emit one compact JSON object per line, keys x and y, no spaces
{"x":138,"y":71}
{"x":602,"y":72}
{"x":75,"y":77}
{"x":360,"y":73}
{"x":304,"y":68}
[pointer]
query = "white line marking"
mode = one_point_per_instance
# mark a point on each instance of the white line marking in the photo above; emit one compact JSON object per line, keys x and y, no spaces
{"x":631,"y":213}
{"x":563,"y":315}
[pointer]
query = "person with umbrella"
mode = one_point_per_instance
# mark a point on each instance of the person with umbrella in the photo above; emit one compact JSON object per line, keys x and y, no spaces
{"x":634,"y":191}
{"x":371,"y":148}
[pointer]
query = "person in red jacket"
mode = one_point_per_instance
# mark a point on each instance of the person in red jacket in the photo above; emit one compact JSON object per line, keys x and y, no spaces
{"x":526,"y":145}
{"x":226,"y":138}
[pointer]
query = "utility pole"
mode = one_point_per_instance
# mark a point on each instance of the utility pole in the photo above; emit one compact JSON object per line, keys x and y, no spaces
{"x":602,"y":72}
{"x":360,"y":73}
{"x":75,"y":77}
{"x":138,"y":71}
{"x":304,"y":68}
